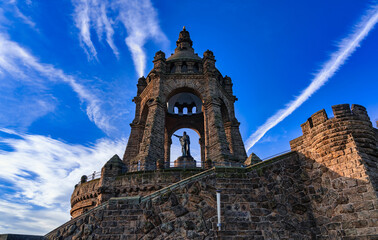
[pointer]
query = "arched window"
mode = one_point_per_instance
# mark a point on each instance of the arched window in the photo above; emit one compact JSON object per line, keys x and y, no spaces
{"x":184,"y":67}
{"x":172,"y":68}
{"x":184,"y":100}
{"x":196,"y":68}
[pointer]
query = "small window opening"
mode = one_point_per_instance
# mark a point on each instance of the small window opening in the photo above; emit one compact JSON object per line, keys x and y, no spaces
{"x":196,"y":68}
{"x":173,"y":68}
{"x":184,"y":67}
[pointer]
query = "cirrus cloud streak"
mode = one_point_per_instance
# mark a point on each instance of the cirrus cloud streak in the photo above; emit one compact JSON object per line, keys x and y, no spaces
{"x":138,"y":17}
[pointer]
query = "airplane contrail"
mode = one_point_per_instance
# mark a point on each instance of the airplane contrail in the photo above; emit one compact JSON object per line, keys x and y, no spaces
{"x":346,"y":47}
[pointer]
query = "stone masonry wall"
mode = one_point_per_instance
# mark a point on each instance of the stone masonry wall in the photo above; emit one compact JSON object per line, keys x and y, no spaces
{"x":186,"y":213}
{"x":340,"y":156}
{"x":266,"y":201}
{"x":84,"y":197}
{"x":274,"y":199}
{"x":269,"y":201}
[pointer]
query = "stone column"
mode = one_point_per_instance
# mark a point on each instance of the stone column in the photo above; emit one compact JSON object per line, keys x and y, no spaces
{"x":136,"y":134}
{"x":190,"y":67}
{"x":152,"y":146}
{"x":167,"y":150}
{"x":235,"y":141}
{"x":178,"y":67}
{"x":216,"y":142}
{"x":202,"y":146}
{"x":133,"y":145}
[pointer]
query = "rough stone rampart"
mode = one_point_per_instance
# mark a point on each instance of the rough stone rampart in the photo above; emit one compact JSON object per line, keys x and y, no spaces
{"x":84,"y":197}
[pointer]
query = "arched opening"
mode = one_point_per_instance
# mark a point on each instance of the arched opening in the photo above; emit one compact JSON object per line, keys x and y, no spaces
{"x":172,"y":68}
{"x":184,"y":67}
{"x":176,"y":148}
{"x":188,"y":116}
{"x":196,"y":68}
{"x":184,"y":101}
{"x":224,"y":112}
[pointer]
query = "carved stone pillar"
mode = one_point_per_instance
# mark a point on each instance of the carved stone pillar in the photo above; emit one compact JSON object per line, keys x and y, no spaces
{"x":217,"y":147}
{"x":190,"y":67}
{"x":153,"y":139}
{"x":235,"y":141}
{"x":167,"y":150}
{"x":178,"y":67}
{"x":202,"y":146}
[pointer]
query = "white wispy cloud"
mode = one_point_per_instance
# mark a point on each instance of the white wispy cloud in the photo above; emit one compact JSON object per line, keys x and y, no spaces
{"x":346,"y":47}
{"x":35,"y":168}
{"x":82,"y":19}
{"x":12,"y":6}
{"x":18,"y":62}
{"x":139,"y":18}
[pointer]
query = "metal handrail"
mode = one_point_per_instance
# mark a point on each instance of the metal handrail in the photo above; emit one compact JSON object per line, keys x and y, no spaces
{"x":92,"y":176}
{"x":176,"y":185}
{"x":186,"y":164}
{"x":275,"y":155}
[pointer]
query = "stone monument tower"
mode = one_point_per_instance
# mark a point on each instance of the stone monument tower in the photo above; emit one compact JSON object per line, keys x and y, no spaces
{"x":184,"y":91}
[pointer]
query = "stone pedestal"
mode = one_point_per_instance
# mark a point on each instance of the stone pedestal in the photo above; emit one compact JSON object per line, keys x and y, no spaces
{"x":185,"y":162}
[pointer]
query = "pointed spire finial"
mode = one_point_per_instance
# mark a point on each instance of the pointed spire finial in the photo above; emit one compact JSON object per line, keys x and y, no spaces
{"x":184,"y":41}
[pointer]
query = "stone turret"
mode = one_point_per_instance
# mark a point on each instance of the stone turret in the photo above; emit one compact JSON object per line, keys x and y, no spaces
{"x":109,"y":172}
{"x":341,"y":156}
{"x":160,"y":62}
{"x":184,"y":42}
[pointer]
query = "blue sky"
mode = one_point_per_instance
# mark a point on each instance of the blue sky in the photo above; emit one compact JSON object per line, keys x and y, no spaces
{"x":68,"y":72}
